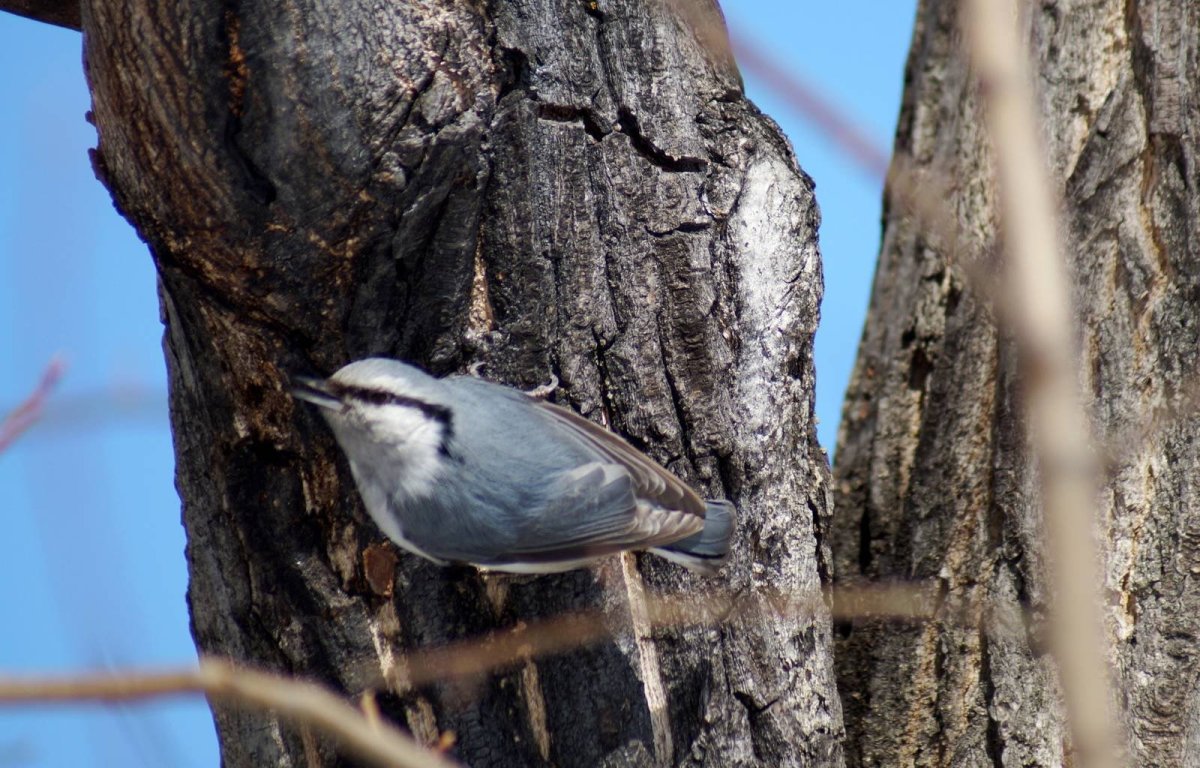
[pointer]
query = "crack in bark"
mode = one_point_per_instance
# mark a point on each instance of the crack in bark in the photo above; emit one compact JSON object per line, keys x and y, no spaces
{"x":237,"y":76}
{"x":685,"y":227}
{"x":820,"y":543}
{"x":629,"y":126}
{"x":752,"y":708}
{"x":515,"y":72}
{"x":685,"y":432}
{"x":993,"y":745}
{"x":627,"y":121}
{"x":562,"y":113}
{"x":401,"y":121}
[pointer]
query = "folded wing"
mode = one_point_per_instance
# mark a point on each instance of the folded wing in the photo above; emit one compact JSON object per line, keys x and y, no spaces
{"x":593,"y":511}
{"x":650,"y":481}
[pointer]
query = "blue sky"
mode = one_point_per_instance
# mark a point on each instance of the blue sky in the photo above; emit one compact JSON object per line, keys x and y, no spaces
{"x":92,"y":573}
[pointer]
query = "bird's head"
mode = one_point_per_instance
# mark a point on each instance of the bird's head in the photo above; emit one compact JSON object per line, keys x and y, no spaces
{"x":385,"y":414}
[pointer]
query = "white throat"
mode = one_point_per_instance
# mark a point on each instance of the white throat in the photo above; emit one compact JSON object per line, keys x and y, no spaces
{"x":396,"y":448}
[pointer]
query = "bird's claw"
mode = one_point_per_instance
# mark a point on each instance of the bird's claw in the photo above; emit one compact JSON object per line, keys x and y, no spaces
{"x":545,"y":390}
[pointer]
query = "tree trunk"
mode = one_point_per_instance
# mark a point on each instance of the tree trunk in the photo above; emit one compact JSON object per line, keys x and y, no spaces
{"x":550,"y":187}
{"x":933,"y":473}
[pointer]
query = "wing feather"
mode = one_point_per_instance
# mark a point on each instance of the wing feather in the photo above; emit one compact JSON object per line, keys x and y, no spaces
{"x":621,"y":500}
{"x":651,"y":482}
{"x":595,"y":512}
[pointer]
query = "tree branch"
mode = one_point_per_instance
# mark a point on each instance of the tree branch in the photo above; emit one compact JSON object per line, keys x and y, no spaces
{"x":1041,"y":313}
{"x":299,"y":702}
{"x":24,"y":415}
{"x":61,"y":13}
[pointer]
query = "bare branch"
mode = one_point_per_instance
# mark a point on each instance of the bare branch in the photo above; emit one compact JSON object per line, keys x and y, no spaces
{"x":305,"y":704}
{"x":799,"y":95}
{"x":805,"y":99}
{"x":61,"y":13}
{"x":1038,"y":307}
{"x":924,"y":194}
{"x":472,"y":658}
{"x":363,"y":731}
{"x":24,"y":415}
{"x":478,"y":656}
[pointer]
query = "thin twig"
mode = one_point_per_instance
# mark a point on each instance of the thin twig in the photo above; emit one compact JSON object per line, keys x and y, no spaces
{"x":721,"y":44}
{"x":1038,"y":304}
{"x":468,"y":659}
{"x":925,"y":195}
{"x":24,"y":415}
{"x":810,"y":104}
{"x":479,"y":656}
{"x":364,"y":732}
{"x":305,"y":704}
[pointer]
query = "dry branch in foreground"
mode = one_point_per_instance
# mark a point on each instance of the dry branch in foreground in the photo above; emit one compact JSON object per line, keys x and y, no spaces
{"x":305,"y":704}
{"x":1041,"y":315}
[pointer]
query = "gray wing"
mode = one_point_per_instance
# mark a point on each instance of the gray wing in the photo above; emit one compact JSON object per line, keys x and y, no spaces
{"x":593,"y":511}
{"x":650,"y":481}
{"x":622,"y":500}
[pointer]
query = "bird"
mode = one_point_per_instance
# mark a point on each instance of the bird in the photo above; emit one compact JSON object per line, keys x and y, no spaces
{"x":460,"y":470}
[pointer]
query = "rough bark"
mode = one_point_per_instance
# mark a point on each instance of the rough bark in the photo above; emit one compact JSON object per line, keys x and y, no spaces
{"x":933,"y":476}
{"x":550,"y":187}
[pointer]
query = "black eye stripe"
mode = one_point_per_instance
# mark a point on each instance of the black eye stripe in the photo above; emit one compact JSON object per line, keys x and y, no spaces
{"x":382,"y":397}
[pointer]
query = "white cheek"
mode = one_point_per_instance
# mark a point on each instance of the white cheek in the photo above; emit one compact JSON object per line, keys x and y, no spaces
{"x":414,"y":443}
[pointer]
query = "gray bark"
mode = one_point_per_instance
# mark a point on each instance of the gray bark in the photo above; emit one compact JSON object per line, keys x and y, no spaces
{"x":549,"y":187}
{"x":933,"y":472}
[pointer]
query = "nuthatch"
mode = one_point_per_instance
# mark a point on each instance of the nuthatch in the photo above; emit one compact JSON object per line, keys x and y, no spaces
{"x":464,"y":470}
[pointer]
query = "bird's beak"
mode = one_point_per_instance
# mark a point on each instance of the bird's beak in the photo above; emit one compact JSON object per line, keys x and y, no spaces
{"x":315,"y":391}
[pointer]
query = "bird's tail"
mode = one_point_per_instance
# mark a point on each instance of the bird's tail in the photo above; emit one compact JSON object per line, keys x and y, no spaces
{"x":705,"y":552}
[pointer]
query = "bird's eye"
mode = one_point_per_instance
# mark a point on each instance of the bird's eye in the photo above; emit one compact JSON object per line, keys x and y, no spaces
{"x":383,"y":397}
{"x":376,"y":396}
{"x":364,"y":394}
